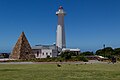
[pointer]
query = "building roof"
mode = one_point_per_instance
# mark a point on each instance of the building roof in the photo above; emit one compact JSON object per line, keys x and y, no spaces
{"x":67,"y":49}
{"x":44,"y":47}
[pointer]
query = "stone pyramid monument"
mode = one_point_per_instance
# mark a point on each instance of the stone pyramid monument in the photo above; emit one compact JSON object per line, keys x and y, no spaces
{"x":22,"y":49}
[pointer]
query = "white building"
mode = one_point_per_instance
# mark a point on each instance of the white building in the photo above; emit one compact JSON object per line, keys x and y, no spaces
{"x":43,"y":51}
{"x":60,"y":35}
{"x":76,"y":51}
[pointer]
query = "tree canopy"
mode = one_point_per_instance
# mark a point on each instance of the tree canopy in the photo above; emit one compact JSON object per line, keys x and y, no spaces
{"x":87,"y":53}
{"x":108,"y":52}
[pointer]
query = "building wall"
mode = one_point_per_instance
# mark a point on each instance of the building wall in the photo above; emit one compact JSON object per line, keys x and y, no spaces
{"x":46,"y":52}
{"x":37,"y":53}
{"x":43,"y":53}
{"x":54,"y":53}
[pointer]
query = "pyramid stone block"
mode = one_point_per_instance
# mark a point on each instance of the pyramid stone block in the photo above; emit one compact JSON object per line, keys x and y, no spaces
{"x":22,"y":49}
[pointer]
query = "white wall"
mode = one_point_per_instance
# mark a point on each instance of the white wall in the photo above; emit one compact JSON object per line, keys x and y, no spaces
{"x":43,"y":53}
{"x":46,"y":53}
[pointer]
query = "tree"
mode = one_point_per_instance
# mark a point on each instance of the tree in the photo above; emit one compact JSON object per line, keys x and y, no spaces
{"x":117,"y":51}
{"x":87,"y":53}
{"x":66,"y":55}
{"x":81,"y":58}
{"x":106,"y":52}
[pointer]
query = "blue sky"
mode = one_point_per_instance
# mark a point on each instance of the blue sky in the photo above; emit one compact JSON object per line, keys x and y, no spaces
{"x":88,"y":24}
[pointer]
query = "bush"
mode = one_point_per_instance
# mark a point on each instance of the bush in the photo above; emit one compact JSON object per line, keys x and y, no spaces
{"x":87,"y":53}
{"x":82,"y":58}
{"x":66,"y":55}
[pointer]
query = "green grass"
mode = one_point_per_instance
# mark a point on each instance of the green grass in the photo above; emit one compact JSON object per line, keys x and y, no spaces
{"x":66,"y":72}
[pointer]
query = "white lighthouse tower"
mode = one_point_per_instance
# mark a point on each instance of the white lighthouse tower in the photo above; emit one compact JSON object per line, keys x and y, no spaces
{"x":60,"y":37}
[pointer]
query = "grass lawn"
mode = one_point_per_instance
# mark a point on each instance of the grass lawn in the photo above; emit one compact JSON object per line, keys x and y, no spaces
{"x":66,"y":72}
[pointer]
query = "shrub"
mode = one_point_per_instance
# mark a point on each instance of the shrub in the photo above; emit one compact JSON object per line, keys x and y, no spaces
{"x":82,"y":58}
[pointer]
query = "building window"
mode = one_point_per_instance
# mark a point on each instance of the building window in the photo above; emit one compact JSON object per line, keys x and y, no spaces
{"x":50,"y":53}
{"x":37,"y":53}
{"x":43,"y":53}
{"x":46,"y":53}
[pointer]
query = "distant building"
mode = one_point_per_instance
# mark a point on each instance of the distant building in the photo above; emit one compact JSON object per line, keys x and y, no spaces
{"x":76,"y":51}
{"x":44,"y":51}
{"x":4,"y":55}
